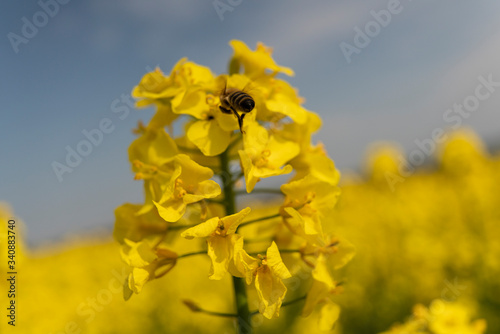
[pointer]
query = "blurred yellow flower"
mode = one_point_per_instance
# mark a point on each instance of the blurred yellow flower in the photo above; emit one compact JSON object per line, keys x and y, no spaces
{"x":154,"y":147}
{"x":440,"y":318}
{"x":131,"y":225}
{"x":147,"y":263}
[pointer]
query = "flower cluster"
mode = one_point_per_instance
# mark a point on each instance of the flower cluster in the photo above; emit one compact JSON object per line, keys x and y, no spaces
{"x":245,"y":124}
{"x":440,"y":318}
{"x":432,"y":235}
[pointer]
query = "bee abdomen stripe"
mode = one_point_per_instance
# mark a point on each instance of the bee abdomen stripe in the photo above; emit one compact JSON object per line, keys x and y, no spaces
{"x":237,"y":97}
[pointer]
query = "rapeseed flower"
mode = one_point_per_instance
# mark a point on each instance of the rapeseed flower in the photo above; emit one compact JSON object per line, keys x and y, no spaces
{"x":205,"y":164}
{"x":322,"y":289}
{"x":269,"y":277}
{"x":221,"y":240}
{"x":308,"y":201}
{"x":264,"y":155}
{"x":256,"y":62}
{"x":189,"y":183}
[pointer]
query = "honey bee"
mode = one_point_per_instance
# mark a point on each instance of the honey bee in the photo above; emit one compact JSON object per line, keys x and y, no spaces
{"x":233,"y":100}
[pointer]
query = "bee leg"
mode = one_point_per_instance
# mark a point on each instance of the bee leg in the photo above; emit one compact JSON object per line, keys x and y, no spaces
{"x":240,"y":122}
{"x":240,"y":119}
{"x":224,"y":110}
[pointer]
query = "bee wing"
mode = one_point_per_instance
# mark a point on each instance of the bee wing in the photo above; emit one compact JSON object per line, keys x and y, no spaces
{"x":235,"y":82}
{"x":249,"y":87}
{"x":253,"y":89}
{"x":221,"y":84}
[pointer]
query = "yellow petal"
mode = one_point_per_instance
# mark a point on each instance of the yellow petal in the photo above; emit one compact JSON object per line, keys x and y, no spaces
{"x":129,"y":225}
{"x":205,"y":189}
{"x":283,"y":106}
{"x":263,"y":172}
{"x":155,"y":85}
{"x":163,"y":116}
{"x":124,"y":219}
{"x":238,"y":81}
{"x":345,"y":253}
{"x":166,"y":184}
{"x":255,"y":140}
{"x":243,"y":265}
{"x":271,"y":291}
{"x":154,"y":147}
{"x":209,"y":137}
{"x":309,"y":229}
{"x":321,"y":273}
{"x":232,"y":222}
{"x":322,"y":286}
{"x":149,"y":195}
{"x":316,"y":293}
{"x":301,"y":133}
{"x":314,"y":161}
{"x":286,"y":102}
{"x":228,"y":122}
{"x":249,"y":171}
{"x":329,"y":315}
{"x":196,"y":73}
{"x":281,"y":150}
{"x":192,"y":172}
{"x":320,"y":196}
{"x":137,"y":279}
{"x":275,"y":262}
{"x":171,"y":210}
{"x":193,"y":102}
{"x":323,"y":168}
{"x":202,"y":230}
{"x":137,"y":254}
{"x":256,"y":62}
{"x":220,"y":251}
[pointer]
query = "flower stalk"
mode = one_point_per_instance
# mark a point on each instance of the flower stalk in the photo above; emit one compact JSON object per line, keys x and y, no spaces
{"x":260,"y":219}
{"x":268,"y":132}
{"x":239,"y":286}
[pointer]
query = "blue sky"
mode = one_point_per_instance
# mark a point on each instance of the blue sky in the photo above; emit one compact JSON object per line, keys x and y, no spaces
{"x":67,"y":76}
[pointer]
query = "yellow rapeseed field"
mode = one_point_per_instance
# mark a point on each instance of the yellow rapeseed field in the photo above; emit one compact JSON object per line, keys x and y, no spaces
{"x":431,"y":241}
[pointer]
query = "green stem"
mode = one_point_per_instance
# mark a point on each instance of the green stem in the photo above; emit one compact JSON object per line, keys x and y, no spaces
{"x":239,"y":286}
{"x":180,"y":227}
{"x":259,"y":239}
{"x":229,"y":202}
{"x":239,"y":176}
{"x":234,"y":142}
{"x":195,"y":308}
{"x":294,"y":301}
{"x":285,"y":304}
{"x":230,"y":315}
{"x":191,"y":254}
{"x":290,"y":250}
{"x":259,"y":190}
{"x":259,"y":219}
{"x":281,"y":251}
{"x":188,"y":149}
